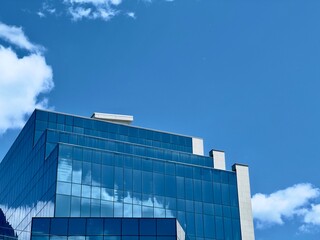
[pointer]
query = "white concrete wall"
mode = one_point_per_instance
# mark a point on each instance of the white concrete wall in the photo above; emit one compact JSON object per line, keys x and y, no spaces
{"x":245,"y":207}
{"x":197,"y":146}
{"x":219,"y":161}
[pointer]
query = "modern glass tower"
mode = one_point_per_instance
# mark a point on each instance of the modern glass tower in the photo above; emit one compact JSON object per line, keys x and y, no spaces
{"x":70,"y":177}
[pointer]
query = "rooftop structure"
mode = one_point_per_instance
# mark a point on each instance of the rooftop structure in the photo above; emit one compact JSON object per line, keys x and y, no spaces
{"x":102,"y":173}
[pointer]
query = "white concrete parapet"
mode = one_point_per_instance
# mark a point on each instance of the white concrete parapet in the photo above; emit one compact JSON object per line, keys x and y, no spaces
{"x":219,"y":161}
{"x":245,"y":207}
{"x":117,"y":118}
{"x":197,"y":146}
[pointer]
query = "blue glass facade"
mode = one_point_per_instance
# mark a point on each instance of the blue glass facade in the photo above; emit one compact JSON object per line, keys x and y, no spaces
{"x":106,"y":229}
{"x":70,"y":167}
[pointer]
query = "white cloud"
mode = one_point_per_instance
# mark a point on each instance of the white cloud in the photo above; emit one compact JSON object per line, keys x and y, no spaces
{"x":131,"y":15}
{"x":283,"y":204}
{"x":22,"y":79}
{"x":312,"y":216}
{"x":92,"y":9}
{"x":16,"y":36}
{"x":79,"y":12}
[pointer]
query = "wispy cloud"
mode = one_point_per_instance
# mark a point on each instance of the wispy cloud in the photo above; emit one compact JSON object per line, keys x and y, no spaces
{"x":89,"y":9}
{"x":46,"y":9}
{"x":22,"y":80}
{"x":15,"y":35}
{"x":92,"y":9}
{"x":290,"y":203}
{"x":131,"y":15}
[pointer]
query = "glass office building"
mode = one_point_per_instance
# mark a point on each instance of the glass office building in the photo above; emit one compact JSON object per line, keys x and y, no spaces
{"x":71,"y":170}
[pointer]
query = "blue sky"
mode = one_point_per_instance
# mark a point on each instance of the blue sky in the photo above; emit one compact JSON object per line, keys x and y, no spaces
{"x":244,"y":75}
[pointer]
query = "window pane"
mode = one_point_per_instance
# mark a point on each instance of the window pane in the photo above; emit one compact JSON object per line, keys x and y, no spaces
{"x":77,"y":226}
{"x":59,"y":226}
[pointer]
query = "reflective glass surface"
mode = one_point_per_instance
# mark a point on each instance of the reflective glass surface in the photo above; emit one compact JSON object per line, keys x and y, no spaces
{"x":66,"y":166}
{"x":105,"y":228}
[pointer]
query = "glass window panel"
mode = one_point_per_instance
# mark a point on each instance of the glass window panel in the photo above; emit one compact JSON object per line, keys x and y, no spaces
{"x":226,"y":211}
{"x":137,"y":181}
{"x":59,"y":226}
{"x":107,"y":159}
{"x":197,"y":190}
{"x":76,"y":171}
{"x":225,"y":194}
{"x":95,"y":208}
{"x":209,"y":227}
{"x":75,"y":207}
{"x":40,"y":225}
{"x":180,"y":187}
{"x":77,"y":153}
{"x":76,"y":190}
{"x":85,"y":207}
{"x":64,"y":170}
{"x":227,"y":229}
{"x":189,"y":206}
{"x":42,"y":115}
{"x":107,"y":176}
{"x":96,"y":155}
{"x":130,"y":227}
{"x":233,"y":195}
{"x":159,"y":212}
{"x":158,"y":166}
{"x":236,"y":229}
{"x":148,"y":227}
{"x":147,"y":182}
{"x":189,"y":188}
{"x":64,"y":188}
{"x":171,"y":203}
{"x":86,"y":191}
{"x":137,"y":211}
{"x":58,"y":238}
{"x":190,"y":223}
{"x":207,"y":193}
{"x":147,"y":212}
{"x":35,"y":237}
{"x":217,"y":193}
{"x":86,"y":173}
{"x":148,"y":238}
{"x":146,"y":165}
{"x":87,"y":155}
{"x":181,"y":205}
{"x":198,"y":207}
{"x":62,"y":206}
{"x":118,"y":176}
{"x":219,"y":228}
{"x":235,"y":212}
{"x":96,"y":174}
{"x":217,"y":176}
{"x":106,"y":209}
{"x":224,"y":177}
{"x":130,"y":238}
{"x":199,"y":225}
{"x":158,"y":184}
{"x":218,"y":210}
{"x":208,"y":208}
{"x":94,"y":226}
{"x":170,"y":168}
{"x":166,"y":227}
{"x":127,"y":210}
{"x":128,"y":184}
{"x":112,"y":226}
{"x":77,"y":226}
{"x":118,"y":209}
{"x":232,"y":179}
{"x":171,"y":186}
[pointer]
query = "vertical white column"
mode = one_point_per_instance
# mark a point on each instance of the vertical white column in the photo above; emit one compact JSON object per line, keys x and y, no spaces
{"x":245,"y":207}
{"x":197,"y":146}
{"x":219,"y":161}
